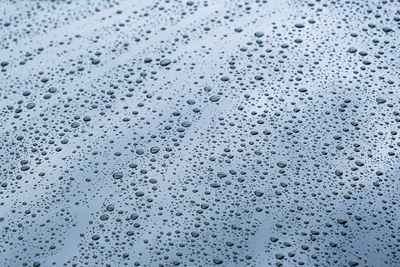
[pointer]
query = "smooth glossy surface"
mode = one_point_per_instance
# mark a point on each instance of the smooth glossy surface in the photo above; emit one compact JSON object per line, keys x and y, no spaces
{"x":199,"y":133}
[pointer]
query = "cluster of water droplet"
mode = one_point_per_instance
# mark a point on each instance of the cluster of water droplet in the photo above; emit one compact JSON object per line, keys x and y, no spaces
{"x":199,"y":133}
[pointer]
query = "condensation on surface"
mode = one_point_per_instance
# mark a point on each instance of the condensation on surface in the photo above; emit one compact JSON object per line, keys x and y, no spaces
{"x":199,"y":133}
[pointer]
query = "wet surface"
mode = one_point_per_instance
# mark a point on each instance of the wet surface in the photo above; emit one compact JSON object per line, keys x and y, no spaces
{"x":199,"y":133}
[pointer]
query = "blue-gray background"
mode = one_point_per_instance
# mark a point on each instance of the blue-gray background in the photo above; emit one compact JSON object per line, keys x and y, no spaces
{"x":199,"y":133}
